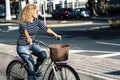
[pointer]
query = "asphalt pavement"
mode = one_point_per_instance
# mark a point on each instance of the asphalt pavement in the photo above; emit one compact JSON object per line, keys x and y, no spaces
{"x":101,"y":68}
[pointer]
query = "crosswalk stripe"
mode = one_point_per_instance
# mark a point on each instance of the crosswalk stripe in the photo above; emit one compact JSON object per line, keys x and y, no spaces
{"x":104,"y":53}
{"x":108,"y":55}
{"x":106,"y":43}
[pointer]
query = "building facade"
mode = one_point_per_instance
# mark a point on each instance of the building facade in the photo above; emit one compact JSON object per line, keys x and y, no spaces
{"x":43,"y":5}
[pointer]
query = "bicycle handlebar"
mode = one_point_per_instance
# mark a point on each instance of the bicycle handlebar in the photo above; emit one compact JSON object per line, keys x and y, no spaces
{"x":40,"y":42}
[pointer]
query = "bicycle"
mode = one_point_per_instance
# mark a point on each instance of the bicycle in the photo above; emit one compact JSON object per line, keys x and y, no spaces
{"x":56,"y":69}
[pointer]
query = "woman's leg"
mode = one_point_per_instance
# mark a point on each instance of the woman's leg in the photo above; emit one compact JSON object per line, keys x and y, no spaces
{"x":24,"y":53}
{"x":37,"y":51}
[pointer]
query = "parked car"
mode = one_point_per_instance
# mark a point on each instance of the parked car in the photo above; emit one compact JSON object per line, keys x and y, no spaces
{"x":61,"y":13}
{"x":79,"y":13}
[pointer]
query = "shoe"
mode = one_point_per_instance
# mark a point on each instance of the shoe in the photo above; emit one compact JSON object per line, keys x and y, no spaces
{"x":37,"y":65}
{"x":39,"y":73}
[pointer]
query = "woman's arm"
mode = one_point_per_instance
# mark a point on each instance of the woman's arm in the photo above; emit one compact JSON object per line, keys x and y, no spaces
{"x":48,"y":30}
{"x":53,"y":33}
{"x":28,"y":37}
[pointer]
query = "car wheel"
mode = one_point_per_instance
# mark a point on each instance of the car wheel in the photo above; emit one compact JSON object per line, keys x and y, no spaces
{"x":61,"y":17}
{"x":78,"y":17}
{"x":69,"y":17}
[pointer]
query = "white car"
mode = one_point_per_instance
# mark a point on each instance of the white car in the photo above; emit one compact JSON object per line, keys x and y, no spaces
{"x":79,"y":13}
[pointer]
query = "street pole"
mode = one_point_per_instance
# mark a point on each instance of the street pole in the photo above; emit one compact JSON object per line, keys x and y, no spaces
{"x":73,"y":4}
{"x":54,"y":6}
{"x":63,"y":3}
{"x":20,"y":8}
{"x":8,"y":13}
{"x":44,"y":12}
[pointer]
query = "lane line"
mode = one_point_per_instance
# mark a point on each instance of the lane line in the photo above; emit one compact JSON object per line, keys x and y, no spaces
{"x":105,"y":54}
{"x":106,"y":43}
{"x":91,"y":51}
{"x":108,"y":55}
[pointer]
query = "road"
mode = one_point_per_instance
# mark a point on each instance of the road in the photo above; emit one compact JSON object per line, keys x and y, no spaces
{"x":83,"y":40}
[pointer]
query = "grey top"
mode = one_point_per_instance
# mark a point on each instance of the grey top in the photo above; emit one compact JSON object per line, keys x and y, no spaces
{"x":32,"y":29}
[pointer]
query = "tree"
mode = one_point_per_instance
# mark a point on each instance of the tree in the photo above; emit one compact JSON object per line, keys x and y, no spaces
{"x":97,"y":7}
{"x":91,"y":6}
{"x":2,"y":1}
{"x":102,"y":4}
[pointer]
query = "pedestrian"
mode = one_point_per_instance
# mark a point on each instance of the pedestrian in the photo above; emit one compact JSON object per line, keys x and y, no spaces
{"x":28,"y":28}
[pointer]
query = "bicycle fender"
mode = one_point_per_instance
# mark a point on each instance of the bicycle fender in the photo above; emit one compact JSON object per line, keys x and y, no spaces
{"x":16,"y":60}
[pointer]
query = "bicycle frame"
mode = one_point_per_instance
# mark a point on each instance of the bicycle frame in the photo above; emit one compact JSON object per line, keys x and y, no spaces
{"x":47,"y":62}
{"x":50,"y":65}
{"x":57,"y":70}
{"x":46,"y":66}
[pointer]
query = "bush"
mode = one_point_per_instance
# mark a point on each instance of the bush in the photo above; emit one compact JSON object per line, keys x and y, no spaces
{"x":113,"y":9}
{"x":114,"y":24}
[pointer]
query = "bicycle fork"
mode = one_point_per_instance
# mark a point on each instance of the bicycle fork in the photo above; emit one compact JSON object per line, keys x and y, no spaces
{"x":56,"y":72}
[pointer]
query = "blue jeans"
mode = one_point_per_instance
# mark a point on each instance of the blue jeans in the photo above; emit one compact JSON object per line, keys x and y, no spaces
{"x":24,"y":52}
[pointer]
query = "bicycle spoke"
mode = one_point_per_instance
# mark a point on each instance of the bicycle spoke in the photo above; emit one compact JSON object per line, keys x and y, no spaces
{"x":64,"y":72}
{"x":17,"y":72}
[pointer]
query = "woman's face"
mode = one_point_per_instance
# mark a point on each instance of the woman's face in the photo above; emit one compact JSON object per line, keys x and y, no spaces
{"x":35,"y":13}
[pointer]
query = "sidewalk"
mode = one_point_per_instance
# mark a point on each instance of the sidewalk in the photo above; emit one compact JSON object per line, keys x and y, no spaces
{"x":101,"y":68}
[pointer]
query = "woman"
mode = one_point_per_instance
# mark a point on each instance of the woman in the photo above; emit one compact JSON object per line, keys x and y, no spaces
{"x":29,"y":24}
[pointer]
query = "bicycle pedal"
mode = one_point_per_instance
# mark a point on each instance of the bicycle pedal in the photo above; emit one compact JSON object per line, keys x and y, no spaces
{"x":38,"y":74}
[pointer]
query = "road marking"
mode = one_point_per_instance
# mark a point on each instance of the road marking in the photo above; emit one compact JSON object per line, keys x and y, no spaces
{"x":106,"y":43}
{"x":12,"y":28}
{"x":104,"y":53}
{"x":108,"y":55}
{"x":91,"y":51}
{"x":7,"y":24}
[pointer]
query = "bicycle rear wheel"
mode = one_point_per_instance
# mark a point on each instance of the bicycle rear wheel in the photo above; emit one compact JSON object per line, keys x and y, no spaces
{"x":16,"y":70}
{"x":65,"y":72}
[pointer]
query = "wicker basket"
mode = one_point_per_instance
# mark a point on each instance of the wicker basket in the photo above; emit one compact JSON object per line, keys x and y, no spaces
{"x":59,"y":52}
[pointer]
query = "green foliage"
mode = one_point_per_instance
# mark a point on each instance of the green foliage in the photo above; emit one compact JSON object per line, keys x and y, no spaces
{"x":114,"y":24}
{"x":113,"y":9}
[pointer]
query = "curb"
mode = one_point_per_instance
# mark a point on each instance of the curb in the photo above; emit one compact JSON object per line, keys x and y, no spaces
{"x":50,"y":23}
{"x":68,"y":24}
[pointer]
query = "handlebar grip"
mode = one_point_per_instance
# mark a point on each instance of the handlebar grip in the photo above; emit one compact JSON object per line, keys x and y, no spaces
{"x":59,"y":38}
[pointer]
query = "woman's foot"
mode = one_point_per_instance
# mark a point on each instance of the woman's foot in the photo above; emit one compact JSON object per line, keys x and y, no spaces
{"x":39,"y":73}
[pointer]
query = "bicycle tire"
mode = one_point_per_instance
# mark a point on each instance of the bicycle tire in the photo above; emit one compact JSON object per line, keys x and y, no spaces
{"x":17,"y":70}
{"x":66,"y":73}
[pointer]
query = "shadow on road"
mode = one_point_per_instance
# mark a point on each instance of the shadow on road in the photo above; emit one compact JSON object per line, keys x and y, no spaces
{"x":117,"y":73}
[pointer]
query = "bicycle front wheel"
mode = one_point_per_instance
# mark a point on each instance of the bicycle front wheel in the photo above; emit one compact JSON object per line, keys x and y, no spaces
{"x":65,"y":72}
{"x":16,"y":71}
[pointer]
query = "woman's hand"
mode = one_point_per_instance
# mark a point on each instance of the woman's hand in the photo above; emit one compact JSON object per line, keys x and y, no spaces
{"x":29,"y":41}
{"x":54,"y":34}
{"x":58,"y":37}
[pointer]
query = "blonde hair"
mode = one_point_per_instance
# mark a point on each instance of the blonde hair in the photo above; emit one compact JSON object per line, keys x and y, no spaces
{"x":27,"y":13}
